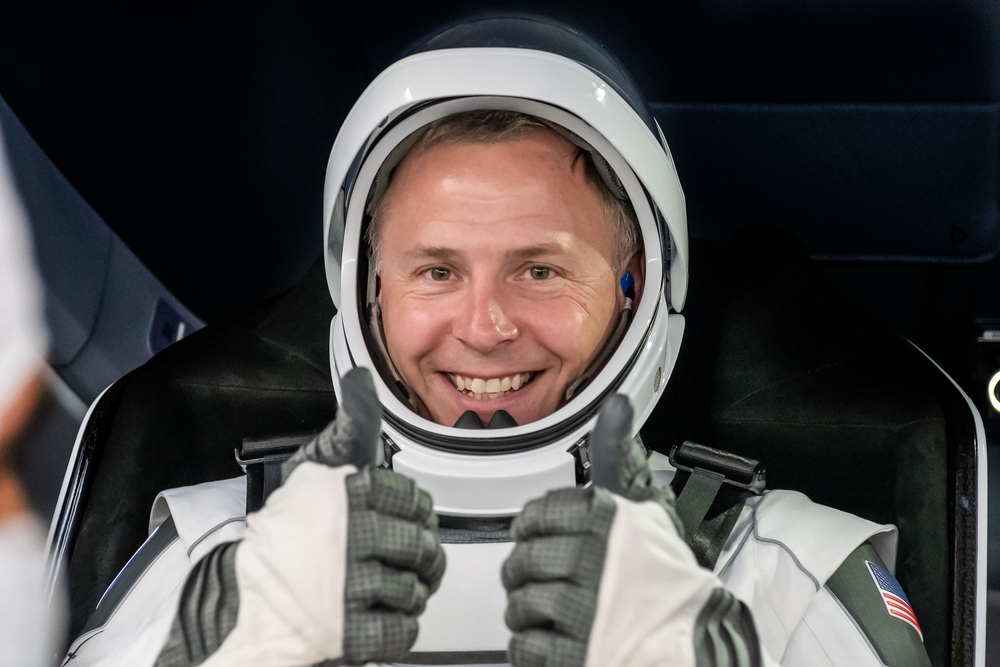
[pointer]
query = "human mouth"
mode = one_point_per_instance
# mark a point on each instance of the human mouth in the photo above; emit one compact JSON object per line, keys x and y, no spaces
{"x":485,"y":389}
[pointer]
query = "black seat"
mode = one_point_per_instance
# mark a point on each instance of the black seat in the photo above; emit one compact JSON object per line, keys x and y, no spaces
{"x":775,"y":365}
{"x":778,"y":365}
{"x":176,"y":421}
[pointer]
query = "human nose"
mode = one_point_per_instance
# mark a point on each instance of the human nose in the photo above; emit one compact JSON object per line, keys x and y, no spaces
{"x":485,"y":322}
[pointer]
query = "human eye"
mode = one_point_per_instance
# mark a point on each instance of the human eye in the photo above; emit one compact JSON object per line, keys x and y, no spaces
{"x":438,"y":273}
{"x":539,"y":273}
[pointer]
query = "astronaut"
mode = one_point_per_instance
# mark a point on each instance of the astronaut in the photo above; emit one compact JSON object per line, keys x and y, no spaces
{"x":505,"y":241}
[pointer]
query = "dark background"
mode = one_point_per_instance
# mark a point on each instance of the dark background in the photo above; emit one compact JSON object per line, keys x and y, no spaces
{"x":200,"y":134}
{"x":870,"y":129}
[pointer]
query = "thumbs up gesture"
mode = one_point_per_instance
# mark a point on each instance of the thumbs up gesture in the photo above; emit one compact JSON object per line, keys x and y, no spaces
{"x":601,"y":575}
{"x":339,"y":562}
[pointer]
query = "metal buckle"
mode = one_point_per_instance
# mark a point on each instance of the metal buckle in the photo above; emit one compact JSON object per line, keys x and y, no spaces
{"x":689,"y":456}
{"x":265,"y":450}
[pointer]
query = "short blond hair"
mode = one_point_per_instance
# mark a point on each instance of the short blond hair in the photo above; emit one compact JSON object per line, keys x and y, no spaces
{"x":497,"y":126}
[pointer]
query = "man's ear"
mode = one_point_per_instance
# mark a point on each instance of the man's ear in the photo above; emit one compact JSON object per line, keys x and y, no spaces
{"x":637,"y":267}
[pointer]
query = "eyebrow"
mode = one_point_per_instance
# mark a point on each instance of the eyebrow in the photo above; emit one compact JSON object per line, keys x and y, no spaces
{"x":534,"y":251}
{"x":432,"y":252}
{"x":450,"y":254}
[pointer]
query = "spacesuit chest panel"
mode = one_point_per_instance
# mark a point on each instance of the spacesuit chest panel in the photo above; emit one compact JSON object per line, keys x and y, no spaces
{"x":466,"y":614}
{"x":464,"y":619}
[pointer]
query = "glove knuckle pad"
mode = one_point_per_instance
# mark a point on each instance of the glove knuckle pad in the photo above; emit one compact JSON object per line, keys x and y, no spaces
{"x":565,"y":607}
{"x":559,"y":512}
{"x":544,"y":648}
{"x":397,"y":543}
{"x":371,"y":584}
{"x":378,"y":636}
{"x":543,"y":559}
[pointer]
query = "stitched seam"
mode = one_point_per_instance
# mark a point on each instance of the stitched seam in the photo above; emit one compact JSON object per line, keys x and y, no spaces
{"x":822,"y":648}
{"x":790,"y":379}
{"x":292,"y":352}
{"x":746,"y":536}
{"x":768,"y":540}
{"x":211,"y":530}
{"x":138,"y":579}
{"x":856,"y":626}
{"x":770,"y":602}
{"x":739,"y":549}
{"x":100,"y":629}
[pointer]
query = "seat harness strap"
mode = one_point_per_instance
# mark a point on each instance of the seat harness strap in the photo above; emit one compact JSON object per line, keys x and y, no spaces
{"x":698,"y":495}
{"x":262,"y":459}
{"x":704,"y":470}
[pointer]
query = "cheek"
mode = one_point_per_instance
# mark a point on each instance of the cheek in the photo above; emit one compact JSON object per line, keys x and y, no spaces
{"x":413,"y":329}
{"x":571,"y":328}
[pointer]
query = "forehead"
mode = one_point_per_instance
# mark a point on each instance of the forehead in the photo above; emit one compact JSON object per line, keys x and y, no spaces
{"x":531,"y":186}
{"x":534,"y":149}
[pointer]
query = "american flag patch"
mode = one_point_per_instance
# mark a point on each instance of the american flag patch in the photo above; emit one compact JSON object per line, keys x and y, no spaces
{"x":893,"y":596}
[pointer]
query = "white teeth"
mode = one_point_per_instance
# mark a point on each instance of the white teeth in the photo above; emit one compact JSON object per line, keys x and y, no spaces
{"x":481,"y":389}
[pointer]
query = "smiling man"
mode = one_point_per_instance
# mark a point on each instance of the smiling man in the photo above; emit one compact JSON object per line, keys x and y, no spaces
{"x":506,"y":245}
{"x":500,"y":253}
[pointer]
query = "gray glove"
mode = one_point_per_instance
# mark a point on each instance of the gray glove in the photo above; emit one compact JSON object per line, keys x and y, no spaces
{"x":339,"y":562}
{"x":605,"y":579}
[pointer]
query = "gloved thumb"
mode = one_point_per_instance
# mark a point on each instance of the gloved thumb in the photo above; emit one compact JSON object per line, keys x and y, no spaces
{"x":354,"y":436}
{"x":609,"y":444}
{"x":618,"y":461}
{"x":359,"y":403}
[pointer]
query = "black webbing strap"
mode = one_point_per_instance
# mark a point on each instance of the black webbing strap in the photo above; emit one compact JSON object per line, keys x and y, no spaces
{"x":262,"y":459}
{"x":699,"y":492}
{"x":708,"y":469}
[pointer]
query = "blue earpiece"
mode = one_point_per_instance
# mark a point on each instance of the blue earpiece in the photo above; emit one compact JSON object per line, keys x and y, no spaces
{"x":628,"y":288}
{"x":628,"y":283}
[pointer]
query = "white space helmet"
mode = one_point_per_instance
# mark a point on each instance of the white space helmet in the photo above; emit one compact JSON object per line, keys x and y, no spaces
{"x":543,"y":69}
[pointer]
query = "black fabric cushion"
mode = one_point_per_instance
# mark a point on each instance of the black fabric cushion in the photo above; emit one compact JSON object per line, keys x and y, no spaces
{"x":264,"y":373}
{"x":775,"y":365}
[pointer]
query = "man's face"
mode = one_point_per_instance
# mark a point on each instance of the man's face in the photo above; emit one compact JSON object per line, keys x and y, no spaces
{"x":497,"y":287}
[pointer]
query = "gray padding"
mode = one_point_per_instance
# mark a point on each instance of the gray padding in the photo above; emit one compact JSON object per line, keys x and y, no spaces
{"x":394,"y":562}
{"x":553,"y":575}
{"x":895,"y":641}
{"x":724,"y":633}
{"x":207,"y":611}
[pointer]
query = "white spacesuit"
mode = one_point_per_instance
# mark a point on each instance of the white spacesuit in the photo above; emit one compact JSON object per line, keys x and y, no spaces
{"x":586,"y":574}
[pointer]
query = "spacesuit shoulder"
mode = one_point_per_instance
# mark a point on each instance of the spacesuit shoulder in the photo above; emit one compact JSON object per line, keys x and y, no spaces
{"x":131,"y":621}
{"x":202,"y":511}
{"x":783,"y":550}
